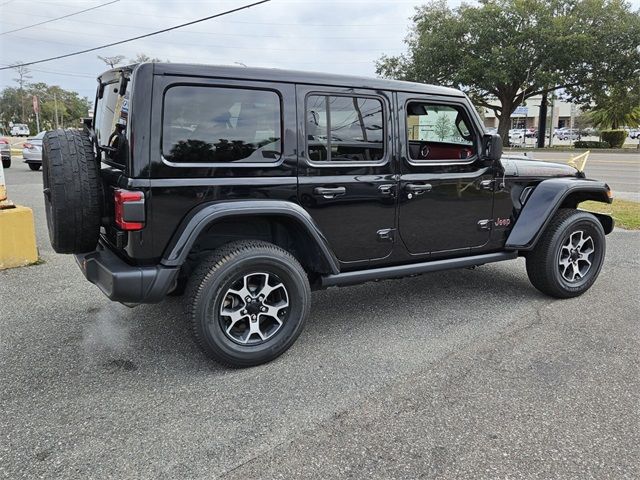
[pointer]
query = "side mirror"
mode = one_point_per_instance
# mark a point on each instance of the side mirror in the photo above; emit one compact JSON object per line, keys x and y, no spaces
{"x":492,"y":147}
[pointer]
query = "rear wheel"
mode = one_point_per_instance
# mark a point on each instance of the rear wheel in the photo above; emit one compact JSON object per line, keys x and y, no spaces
{"x":568,"y":257}
{"x":34,"y":166}
{"x":6,"y":162}
{"x":247,"y":303}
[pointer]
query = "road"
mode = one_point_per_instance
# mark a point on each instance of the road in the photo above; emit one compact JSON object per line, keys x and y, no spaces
{"x":461,"y":374}
{"x":620,"y":170}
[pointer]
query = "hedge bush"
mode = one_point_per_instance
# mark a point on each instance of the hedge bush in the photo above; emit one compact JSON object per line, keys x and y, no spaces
{"x":615,"y":138}
{"x":591,"y":144}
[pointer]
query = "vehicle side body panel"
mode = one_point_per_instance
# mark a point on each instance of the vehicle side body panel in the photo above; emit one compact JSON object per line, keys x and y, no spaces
{"x":443,"y":220}
{"x":175,"y":190}
{"x":547,"y":197}
{"x":201,"y":218}
{"x":350,"y":220}
{"x":476,"y":210}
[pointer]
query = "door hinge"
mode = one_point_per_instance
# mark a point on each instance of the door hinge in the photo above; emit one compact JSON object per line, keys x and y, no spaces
{"x":386,"y":235}
{"x":484,"y":224}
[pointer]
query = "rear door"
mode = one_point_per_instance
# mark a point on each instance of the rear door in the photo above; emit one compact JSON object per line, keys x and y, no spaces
{"x":346,"y":174}
{"x":446,"y":187}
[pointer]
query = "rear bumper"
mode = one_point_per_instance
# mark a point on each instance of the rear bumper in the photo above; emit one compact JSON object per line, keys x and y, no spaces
{"x":126,"y":283}
{"x":32,"y":157}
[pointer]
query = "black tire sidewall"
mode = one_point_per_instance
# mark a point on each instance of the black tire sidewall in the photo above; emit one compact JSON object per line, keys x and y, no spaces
{"x":212,"y":293}
{"x":592,"y":227}
{"x":46,"y":185}
{"x":73,"y":191}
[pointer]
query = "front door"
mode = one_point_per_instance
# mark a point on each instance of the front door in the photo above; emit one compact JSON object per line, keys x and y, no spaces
{"x":345,"y":174}
{"x":446,"y":188}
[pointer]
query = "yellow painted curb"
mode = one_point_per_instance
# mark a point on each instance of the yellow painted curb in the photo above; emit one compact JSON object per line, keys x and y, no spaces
{"x":17,"y":238}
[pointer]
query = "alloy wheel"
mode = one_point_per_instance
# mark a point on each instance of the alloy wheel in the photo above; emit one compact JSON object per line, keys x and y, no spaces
{"x":575,"y":256}
{"x":254,"y":308}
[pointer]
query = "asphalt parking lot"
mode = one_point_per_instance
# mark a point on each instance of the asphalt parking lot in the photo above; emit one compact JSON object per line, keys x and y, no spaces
{"x":462,"y":374}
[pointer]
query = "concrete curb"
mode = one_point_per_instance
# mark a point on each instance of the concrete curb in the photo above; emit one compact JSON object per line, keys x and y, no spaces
{"x":576,"y":150}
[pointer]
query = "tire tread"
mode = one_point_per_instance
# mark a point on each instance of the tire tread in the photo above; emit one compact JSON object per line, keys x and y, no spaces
{"x":540,"y":265}
{"x":73,"y":178}
{"x":208,"y":268}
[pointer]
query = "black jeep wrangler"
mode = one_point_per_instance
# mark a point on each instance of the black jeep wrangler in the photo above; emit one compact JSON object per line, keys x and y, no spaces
{"x":247,"y":188}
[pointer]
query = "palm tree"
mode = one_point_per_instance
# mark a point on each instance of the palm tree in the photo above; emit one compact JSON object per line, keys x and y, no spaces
{"x":620,"y":108}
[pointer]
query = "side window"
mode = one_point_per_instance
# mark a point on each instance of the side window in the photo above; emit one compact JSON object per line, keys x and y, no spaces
{"x":221,"y":125}
{"x":344,"y":129}
{"x":438,"y":132}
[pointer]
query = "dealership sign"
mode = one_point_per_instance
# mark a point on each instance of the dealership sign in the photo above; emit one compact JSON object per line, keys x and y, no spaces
{"x":521,"y":111}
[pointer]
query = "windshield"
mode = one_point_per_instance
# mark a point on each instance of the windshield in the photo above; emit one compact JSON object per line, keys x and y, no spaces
{"x":111,"y":113}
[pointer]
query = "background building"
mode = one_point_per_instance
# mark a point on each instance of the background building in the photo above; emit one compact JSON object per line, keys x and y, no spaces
{"x":527,"y":115}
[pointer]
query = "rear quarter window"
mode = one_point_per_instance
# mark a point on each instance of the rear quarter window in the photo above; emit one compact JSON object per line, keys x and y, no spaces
{"x":204,"y":124}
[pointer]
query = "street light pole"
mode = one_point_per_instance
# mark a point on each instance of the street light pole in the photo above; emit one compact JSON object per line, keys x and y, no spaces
{"x":551,"y":123}
{"x":36,"y":108}
{"x":55,"y":106}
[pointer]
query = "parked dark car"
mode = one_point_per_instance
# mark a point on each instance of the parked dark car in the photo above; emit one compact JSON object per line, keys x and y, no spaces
{"x":5,"y":152}
{"x":247,"y":188}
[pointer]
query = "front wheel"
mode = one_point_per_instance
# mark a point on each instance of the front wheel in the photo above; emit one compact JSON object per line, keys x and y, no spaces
{"x":6,"y":162}
{"x":568,"y":257}
{"x":247,"y":303}
{"x":34,"y":166}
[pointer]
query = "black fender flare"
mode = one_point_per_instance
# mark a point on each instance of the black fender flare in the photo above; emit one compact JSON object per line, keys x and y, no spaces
{"x":197,"y":221}
{"x":547,"y":197}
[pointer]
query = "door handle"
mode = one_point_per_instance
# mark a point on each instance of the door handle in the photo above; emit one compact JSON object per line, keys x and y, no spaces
{"x":329,"y":192}
{"x":418,"y":188}
{"x":386,"y":189}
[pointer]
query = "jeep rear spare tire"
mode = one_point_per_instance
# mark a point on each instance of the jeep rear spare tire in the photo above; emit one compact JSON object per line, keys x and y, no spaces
{"x":72,"y":191}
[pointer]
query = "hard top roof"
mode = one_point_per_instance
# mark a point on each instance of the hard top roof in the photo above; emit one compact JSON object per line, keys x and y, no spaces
{"x":293,"y":76}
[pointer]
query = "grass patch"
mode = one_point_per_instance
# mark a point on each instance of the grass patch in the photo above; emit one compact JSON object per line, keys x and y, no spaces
{"x":625,"y":213}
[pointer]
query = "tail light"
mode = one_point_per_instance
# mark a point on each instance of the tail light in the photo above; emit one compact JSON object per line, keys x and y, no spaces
{"x":129,"y":209}
{"x":3,"y":141}
{"x":27,"y":145}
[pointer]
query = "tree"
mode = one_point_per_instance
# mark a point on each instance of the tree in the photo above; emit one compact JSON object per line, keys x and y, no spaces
{"x":112,"y":61}
{"x":502,"y":52}
{"x":617,"y":108}
{"x":442,"y":126}
{"x":58,"y":107}
{"x":21,"y":80}
{"x":143,"y":57}
{"x":582,"y":123}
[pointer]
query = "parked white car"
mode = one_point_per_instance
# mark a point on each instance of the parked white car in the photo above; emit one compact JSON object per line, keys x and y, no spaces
{"x":567,"y":134}
{"x":19,"y":130}
{"x":32,"y":151}
{"x":517,"y":136}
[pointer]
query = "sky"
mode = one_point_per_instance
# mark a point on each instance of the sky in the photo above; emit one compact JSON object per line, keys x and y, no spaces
{"x":330,"y":36}
{"x":334,"y":36}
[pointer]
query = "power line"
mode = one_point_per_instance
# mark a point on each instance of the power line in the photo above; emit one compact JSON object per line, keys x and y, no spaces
{"x":218,"y":34}
{"x":131,"y":14}
{"x":60,"y":18}
{"x":138,"y":37}
{"x":230,"y":47}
